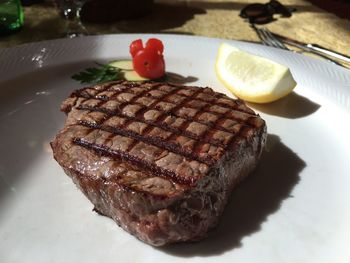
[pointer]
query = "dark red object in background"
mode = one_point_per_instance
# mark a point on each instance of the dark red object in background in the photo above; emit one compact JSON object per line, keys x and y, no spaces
{"x":340,"y":8}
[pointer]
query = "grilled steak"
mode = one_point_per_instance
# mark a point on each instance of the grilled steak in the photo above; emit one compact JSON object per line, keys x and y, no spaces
{"x":160,"y":159}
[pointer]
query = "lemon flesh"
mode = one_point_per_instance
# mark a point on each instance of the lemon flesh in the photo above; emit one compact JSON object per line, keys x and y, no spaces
{"x":252,"y":78}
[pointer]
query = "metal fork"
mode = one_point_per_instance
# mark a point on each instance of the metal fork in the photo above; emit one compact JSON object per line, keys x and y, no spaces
{"x":268,"y":39}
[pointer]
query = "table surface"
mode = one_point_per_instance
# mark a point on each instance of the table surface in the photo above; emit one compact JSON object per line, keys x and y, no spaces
{"x":211,"y":18}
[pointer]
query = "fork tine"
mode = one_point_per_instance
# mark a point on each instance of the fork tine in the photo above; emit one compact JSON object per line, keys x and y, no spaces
{"x":277,"y":42}
{"x":260,"y":34}
{"x":267,"y":39}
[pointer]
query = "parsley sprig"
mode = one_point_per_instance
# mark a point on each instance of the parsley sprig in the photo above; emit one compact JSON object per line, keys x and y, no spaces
{"x":100,"y":74}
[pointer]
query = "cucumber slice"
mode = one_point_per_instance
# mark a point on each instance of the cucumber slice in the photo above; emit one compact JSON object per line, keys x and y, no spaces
{"x":122,"y":64}
{"x":127,"y":69}
{"x":131,"y":75}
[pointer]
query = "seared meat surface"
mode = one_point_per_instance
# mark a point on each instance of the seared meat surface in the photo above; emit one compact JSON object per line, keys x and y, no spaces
{"x":160,"y":159}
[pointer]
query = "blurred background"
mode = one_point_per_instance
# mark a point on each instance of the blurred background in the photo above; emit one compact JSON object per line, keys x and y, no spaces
{"x":52,"y":19}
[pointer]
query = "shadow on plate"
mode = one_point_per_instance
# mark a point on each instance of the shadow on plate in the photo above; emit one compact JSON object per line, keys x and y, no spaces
{"x":179,"y":79}
{"x":293,"y":106}
{"x":259,"y":196}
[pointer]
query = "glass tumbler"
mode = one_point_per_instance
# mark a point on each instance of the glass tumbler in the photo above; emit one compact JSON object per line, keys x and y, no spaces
{"x":11,"y":16}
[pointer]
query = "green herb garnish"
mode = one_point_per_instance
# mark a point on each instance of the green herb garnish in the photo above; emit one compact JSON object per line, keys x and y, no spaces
{"x":100,"y":74}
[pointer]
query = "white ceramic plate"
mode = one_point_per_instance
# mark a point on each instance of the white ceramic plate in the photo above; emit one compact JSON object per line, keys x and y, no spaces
{"x":294,"y":208}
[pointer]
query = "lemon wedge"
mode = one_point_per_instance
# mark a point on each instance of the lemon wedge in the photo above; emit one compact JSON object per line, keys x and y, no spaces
{"x":252,"y":78}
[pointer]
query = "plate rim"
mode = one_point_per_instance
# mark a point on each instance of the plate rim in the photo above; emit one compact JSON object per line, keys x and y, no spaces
{"x":27,"y":57}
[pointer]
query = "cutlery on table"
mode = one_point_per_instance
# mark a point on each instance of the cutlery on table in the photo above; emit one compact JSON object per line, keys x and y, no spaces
{"x":274,"y":40}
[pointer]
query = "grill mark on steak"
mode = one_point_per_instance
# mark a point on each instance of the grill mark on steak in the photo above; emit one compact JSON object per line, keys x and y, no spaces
{"x":125,"y":156}
{"x":207,"y":133}
{"x":194,"y":153}
{"x":172,"y":147}
{"x":153,"y":141}
{"x":136,"y":111}
{"x":159,"y":123}
{"x":188,"y":98}
{"x":185,"y":124}
{"x":128,"y":120}
{"x":167,"y":145}
{"x":148,"y":139}
{"x":229,"y":116}
{"x":83,"y":93}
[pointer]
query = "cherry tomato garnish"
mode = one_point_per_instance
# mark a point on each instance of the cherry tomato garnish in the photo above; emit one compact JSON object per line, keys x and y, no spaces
{"x":135,"y":47}
{"x":155,"y":44}
{"x":148,"y":61}
{"x":149,"y":64}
